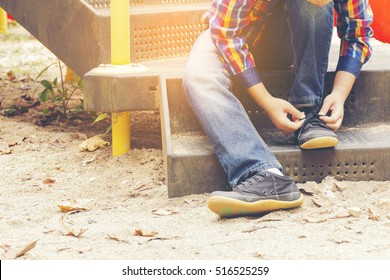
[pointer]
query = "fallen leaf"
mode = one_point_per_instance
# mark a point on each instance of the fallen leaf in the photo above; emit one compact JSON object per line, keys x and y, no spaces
{"x":11,"y":76}
{"x":139,"y":232}
{"x":355,"y":211}
{"x":342,"y":213}
{"x":259,"y":256}
{"x":339,"y":240}
{"x":71,"y":232}
{"x":163,"y":238}
{"x":11,"y":253}
{"x":111,"y":237}
{"x":314,"y":220}
{"x":322,"y":201}
{"x":339,"y":186}
{"x":254,"y":229}
{"x":309,"y":188}
{"x":63,"y":249}
{"x":48,"y":230}
{"x":12,"y":144}
{"x":163,"y":212}
{"x":49,"y":181}
{"x":372,"y":216}
{"x":5,"y":151}
{"x":143,"y":187}
{"x":74,"y":205}
{"x":383,"y":203}
{"x":92,"y":159}
{"x":92,"y":144}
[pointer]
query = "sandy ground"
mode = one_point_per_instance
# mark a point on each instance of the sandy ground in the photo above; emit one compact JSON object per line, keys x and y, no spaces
{"x":120,"y":208}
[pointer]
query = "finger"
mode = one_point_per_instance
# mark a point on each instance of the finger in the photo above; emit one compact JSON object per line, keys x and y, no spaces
{"x":295,"y":113}
{"x":335,"y":126}
{"x":329,"y":120}
{"x":325,"y":107}
{"x":290,"y":126}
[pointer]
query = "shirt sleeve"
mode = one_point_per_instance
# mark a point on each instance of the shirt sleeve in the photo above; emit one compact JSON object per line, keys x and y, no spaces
{"x":227,"y":21}
{"x":354,"y":18}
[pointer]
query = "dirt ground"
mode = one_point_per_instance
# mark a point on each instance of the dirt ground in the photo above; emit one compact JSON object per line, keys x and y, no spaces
{"x":119,"y":207}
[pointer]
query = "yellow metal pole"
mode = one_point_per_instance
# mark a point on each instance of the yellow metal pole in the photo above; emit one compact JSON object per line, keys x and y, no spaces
{"x":120,"y":54}
{"x":3,"y":22}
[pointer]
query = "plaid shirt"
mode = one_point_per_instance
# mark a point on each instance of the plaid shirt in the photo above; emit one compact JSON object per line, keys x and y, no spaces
{"x":232,"y":22}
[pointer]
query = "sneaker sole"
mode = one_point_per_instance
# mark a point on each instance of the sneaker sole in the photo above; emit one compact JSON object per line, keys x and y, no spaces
{"x":229,"y":207}
{"x":319,"y":143}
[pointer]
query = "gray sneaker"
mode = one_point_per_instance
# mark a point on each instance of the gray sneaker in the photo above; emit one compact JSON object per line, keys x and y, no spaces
{"x":314,"y":134}
{"x":262,"y":192}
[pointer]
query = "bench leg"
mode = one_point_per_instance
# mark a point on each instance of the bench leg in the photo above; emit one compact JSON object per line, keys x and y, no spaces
{"x":3,"y":22}
{"x":120,"y":133}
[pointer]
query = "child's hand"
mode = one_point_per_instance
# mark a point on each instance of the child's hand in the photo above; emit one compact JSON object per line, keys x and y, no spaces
{"x":334,"y":105}
{"x":278,"y":110}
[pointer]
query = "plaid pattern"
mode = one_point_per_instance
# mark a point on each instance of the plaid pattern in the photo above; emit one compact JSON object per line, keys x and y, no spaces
{"x":353,"y":27}
{"x":232,"y":22}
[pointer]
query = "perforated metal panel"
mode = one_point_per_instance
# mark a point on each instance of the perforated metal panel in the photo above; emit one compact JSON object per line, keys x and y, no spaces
{"x":99,"y":4}
{"x":161,"y":38}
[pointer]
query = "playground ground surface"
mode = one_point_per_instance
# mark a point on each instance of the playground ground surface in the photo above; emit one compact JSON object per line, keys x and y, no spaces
{"x":120,"y":205}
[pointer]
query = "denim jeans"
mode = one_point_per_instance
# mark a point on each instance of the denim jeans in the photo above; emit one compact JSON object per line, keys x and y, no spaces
{"x":295,"y":27}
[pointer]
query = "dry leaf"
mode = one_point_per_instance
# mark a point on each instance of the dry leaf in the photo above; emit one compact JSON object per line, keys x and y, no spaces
{"x":322,"y":201}
{"x":259,"y":256}
{"x":116,"y":238}
{"x":49,"y":181}
{"x":341,"y":213}
{"x":383,"y":203}
{"x":5,"y":151}
{"x":163,"y":238}
{"x":309,"y":188}
{"x":71,"y":232}
{"x":11,"y":253}
{"x":74,"y":205}
{"x":372,"y":216}
{"x":355,"y":211}
{"x":92,"y":159}
{"x":92,"y":144}
{"x":139,"y":232}
{"x":143,"y":187}
{"x":314,"y":220}
{"x":254,"y":229}
{"x":163,"y":212}
{"x":339,"y":240}
{"x":48,"y":230}
{"x":12,"y":144}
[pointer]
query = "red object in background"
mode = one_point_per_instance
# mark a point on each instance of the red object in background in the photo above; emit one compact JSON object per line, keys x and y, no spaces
{"x":381,"y":23}
{"x":9,"y":17}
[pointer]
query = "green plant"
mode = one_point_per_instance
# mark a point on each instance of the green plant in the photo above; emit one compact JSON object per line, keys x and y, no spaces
{"x":58,"y":94}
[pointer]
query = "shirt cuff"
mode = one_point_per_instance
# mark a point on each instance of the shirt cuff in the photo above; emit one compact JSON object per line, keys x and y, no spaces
{"x":249,"y":77}
{"x":349,"y":64}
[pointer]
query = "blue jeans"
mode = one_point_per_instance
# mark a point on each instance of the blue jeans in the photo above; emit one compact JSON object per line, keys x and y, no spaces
{"x":306,"y":32}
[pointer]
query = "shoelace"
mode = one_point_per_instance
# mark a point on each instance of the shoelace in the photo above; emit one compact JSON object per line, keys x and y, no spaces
{"x":312,"y":119}
{"x":252,"y":179}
